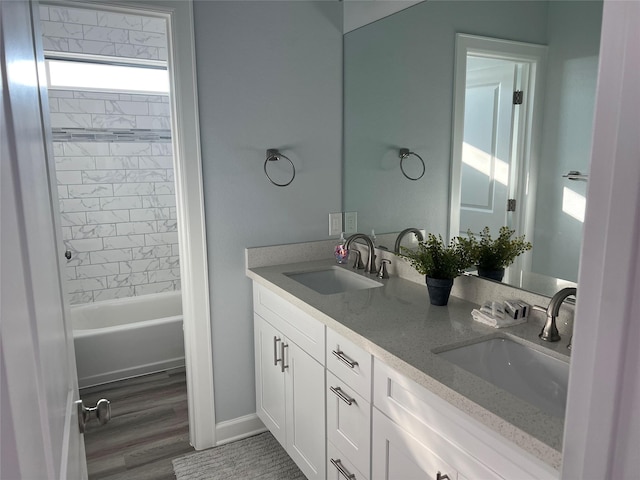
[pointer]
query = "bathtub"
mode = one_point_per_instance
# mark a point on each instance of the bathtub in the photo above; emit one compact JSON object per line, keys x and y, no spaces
{"x":123,"y":338}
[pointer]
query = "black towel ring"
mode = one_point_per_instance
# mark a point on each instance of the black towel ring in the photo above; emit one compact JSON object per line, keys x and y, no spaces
{"x":273,"y":155}
{"x":403,"y":154}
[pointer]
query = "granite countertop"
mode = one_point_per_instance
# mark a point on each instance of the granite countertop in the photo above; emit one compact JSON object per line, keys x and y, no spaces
{"x":397,"y":324}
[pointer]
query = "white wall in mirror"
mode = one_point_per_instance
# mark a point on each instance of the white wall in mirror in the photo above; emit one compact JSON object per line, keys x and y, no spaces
{"x":574,"y":44}
{"x":398,"y":81}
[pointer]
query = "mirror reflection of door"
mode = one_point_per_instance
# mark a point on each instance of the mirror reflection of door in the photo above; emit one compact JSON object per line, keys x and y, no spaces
{"x":488,"y":155}
{"x":496,"y":134}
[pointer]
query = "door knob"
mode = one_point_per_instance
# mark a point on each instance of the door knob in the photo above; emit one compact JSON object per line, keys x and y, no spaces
{"x":101,"y":412}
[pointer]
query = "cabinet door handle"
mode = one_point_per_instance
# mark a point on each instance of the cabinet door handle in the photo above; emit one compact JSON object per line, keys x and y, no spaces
{"x":342,"y":396}
{"x":441,"y":476}
{"x":343,"y":471}
{"x":339,"y":354}
{"x":275,"y":351}
{"x":283,"y":366}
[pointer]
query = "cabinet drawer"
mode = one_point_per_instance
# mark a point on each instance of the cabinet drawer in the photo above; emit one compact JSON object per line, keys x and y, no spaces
{"x":350,"y":363}
{"x":339,"y":467}
{"x":300,"y":327}
{"x":348,"y":422}
{"x":475,"y":450}
{"x":399,"y":455}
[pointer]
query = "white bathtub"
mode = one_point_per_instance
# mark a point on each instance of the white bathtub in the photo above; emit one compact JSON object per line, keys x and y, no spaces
{"x":123,"y":338}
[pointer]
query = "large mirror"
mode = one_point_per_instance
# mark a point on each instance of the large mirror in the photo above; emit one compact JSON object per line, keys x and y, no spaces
{"x":399,"y":93}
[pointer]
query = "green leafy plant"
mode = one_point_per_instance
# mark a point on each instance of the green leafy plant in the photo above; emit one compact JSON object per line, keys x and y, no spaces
{"x":491,"y":254}
{"x":435,"y":259}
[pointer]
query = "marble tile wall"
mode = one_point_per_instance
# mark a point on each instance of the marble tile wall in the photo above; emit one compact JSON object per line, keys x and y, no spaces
{"x":118,"y":217}
{"x":79,"y":30}
{"x":114,"y":163}
{"x":108,"y":111}
{"x":117,"y":198}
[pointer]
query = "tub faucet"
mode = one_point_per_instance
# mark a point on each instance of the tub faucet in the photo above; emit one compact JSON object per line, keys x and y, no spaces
{"x":370,"y":267}
{"x":549,"y":332}
{"x":401,"y":235}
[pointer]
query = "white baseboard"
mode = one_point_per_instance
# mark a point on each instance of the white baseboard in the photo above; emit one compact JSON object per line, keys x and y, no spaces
{"x":238,"y":428}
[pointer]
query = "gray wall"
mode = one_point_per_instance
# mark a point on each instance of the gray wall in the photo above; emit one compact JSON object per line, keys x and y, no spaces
{"x":574,"y":43}
{"x":399,"y":93}
{"x":269,"y":76}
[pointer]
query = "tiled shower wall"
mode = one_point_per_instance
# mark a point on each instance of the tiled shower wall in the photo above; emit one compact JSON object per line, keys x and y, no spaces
{"x":117,"y":199}
{"x":80,"y":30}
{"x":114,"y":164}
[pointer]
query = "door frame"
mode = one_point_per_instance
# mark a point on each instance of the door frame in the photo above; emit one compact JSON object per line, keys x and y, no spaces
{"x":602,"y":427}
{"x":535,"y":56}
{"x":189,"y":203}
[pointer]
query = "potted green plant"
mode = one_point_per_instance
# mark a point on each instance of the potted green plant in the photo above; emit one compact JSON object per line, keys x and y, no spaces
{"x":491,"y":256}
{"x":440,"y":263}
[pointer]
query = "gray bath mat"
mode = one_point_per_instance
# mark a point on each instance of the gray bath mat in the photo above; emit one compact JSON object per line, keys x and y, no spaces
{"x":259,"y":457}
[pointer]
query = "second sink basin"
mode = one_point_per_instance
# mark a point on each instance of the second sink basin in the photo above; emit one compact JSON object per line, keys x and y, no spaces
{"x":529,"y":374}
{"x":333,"y":280}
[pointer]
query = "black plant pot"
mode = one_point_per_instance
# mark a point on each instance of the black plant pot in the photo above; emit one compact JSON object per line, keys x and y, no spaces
{"x":439,"y":290}
{"x":493,"y":274}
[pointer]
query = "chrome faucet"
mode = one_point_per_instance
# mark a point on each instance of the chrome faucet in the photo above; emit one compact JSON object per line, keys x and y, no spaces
{"x":401,"y":235}
{"x":370,"y":267}
{"x":549,"y":332}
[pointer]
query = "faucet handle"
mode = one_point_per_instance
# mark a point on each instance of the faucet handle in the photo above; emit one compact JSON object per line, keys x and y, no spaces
{"x":382,"y":272}
{"x":538,"y":308}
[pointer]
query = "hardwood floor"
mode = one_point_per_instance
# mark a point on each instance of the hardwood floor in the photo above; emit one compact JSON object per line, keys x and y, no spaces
{"x":149,"y":426}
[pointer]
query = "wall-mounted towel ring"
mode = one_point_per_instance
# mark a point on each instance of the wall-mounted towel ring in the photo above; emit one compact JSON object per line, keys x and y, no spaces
{"x":273,"y":155}
{"x":403,"y":154}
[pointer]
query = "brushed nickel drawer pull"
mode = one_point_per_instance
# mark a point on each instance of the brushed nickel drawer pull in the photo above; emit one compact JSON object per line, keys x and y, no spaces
{"x":344,"y":359}
{"x":283,"y":367}
{"x":342,"y":396}
{"x":275,"y":351}
{"x":343,"y":471}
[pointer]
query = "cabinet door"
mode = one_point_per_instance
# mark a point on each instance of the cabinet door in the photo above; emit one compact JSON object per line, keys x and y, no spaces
{"x":398,"y":455}
{"x":305,"y":412}
{"x":270,"y":381}
{"x":350,"y":363}
{"x":348,"y":422}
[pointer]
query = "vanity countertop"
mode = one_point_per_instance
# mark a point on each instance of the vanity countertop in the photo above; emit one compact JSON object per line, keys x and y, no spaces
{"x":397,"y":324}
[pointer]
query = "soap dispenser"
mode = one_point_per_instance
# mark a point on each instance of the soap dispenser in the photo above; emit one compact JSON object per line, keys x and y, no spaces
{"x":341,"y":253}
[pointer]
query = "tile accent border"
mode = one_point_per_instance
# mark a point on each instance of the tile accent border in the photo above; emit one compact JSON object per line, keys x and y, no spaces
{"x":110,"y":135}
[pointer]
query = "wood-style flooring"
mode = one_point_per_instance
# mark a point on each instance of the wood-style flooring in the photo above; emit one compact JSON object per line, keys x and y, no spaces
{"x":149,"y":427}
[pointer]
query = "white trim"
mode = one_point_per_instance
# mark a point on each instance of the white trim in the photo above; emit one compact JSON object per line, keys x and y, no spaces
{"x":239,"y":428}
{"x":535,"y":56}
{"x":190,"y":205}
{"x":194,"y":272}
{"x":601,"y":414}
{"x":108,"y":59}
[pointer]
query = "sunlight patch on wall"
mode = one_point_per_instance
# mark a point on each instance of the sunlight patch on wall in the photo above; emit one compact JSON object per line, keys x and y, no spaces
{"x":480,"y":160}
{"x":574,"y":204}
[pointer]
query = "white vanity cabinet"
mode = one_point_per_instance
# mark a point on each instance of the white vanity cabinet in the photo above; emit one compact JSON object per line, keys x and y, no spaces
{"x":342,"y":414}
{"x":290,"y":400}
{"x":348,"y":391}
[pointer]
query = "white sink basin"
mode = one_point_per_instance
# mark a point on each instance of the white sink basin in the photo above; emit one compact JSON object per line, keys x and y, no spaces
{"x":333,"y":280}
{"x":529,"y":374}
